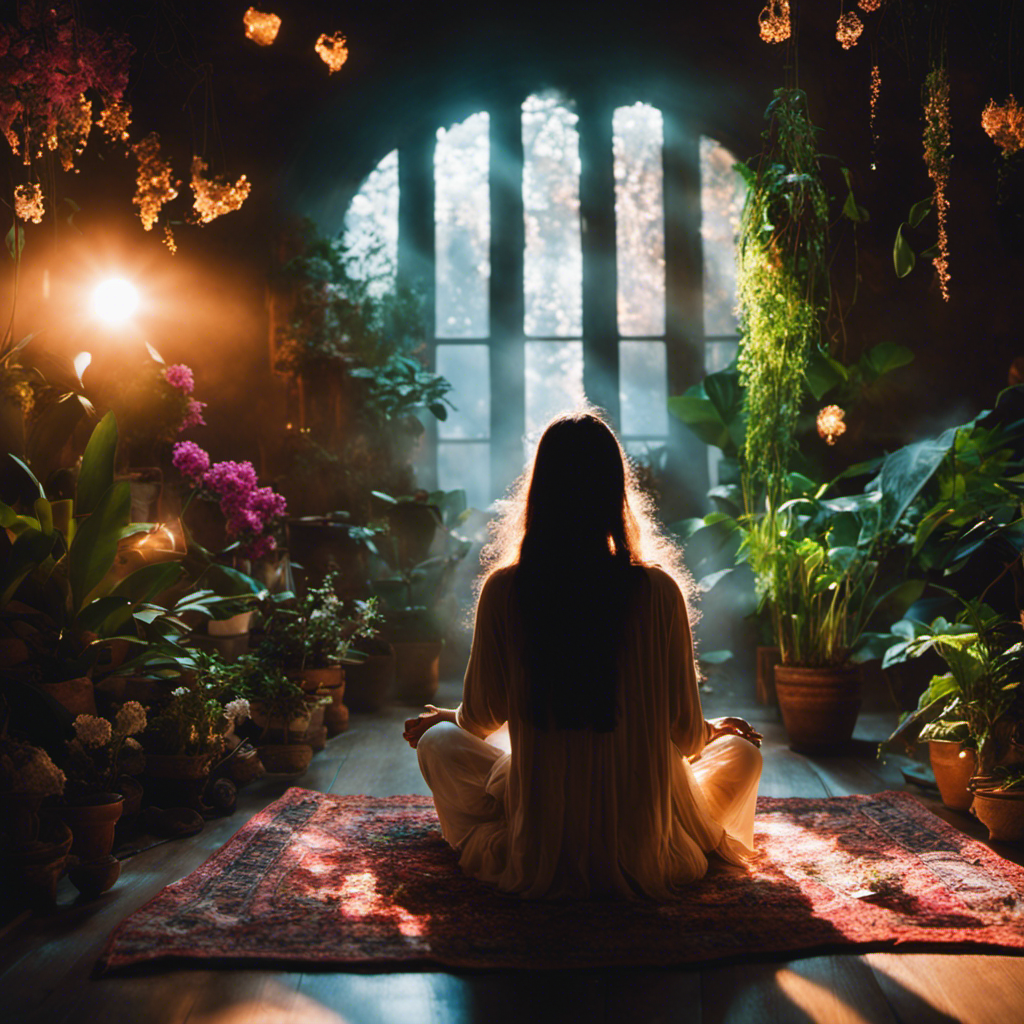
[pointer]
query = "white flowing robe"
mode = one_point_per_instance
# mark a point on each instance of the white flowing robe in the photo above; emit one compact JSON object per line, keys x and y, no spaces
{"x":581,"y":813}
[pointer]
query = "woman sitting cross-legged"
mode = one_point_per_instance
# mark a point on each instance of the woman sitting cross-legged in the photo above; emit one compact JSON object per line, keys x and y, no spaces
{"x":615,"y":784}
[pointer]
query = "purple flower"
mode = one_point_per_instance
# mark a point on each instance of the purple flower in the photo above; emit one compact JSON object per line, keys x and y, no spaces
{"x":180,"y":376}
{"x":233,"y":482}
{"x":259,"y":548}
{"x":193,"y":415}
{"x":191,"y":461}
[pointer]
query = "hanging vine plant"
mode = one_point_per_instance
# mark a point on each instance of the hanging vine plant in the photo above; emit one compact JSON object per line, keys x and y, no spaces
{"x":781,"y":279}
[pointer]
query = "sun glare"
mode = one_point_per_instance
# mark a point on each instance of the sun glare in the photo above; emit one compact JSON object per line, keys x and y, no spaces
{"x":115,"y":300}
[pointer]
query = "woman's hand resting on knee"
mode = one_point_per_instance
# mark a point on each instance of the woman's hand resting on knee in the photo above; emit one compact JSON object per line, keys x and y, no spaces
{"x":416,"y":727}
{"x":730,"y":726}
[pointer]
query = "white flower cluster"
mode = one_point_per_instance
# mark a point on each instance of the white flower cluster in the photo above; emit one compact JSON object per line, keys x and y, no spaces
{"x":131,"y":719}
{"x":236,"y":710}
{"x":179,"y":692}
{"x":92,"y":731}
{"x":35,"y":773}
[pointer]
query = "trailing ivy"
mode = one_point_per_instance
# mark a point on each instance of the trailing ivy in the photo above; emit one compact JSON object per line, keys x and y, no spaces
{"x":781,"y":275}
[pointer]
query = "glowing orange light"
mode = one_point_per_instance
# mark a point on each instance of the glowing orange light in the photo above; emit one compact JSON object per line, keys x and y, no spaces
{"x":773,"y":21}
{"x":261,"y":27}
{"x":869,"y":5}
{"x":153,"y":182}
{"x":848,"y":29}
{"x":876,"y":91}
{"x":332,"y":50}
{"x":830,"y":423}
{"x":115,"y":300}
{"x":169,"y":241}
{"x":73,"y":131}
{"x":115,"y":119}
{"x":1004,"y":125}
{"x":214,"y":197}
{"x":28,"y":202}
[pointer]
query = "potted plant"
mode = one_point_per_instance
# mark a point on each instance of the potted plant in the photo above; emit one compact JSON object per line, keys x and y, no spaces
{"x":309,"y":636}
{"x":970,"y":714}
{"x":281,"y":709}
{"x":419,"y":554}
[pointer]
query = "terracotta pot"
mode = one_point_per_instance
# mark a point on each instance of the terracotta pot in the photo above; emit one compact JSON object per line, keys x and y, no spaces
{"x":370,"y":683}
{"x":1002,"y":813}
{"x":316,"y":680}
{"x":244,"y":766}
{"x":40,"y":863}
{"x":767,"y":659}
{"x":953,"y":772}
{"x":296,"y":727}
{"x":93,"y":877}
{"x":19,"y":816}
{"x":285,"y":758}
{"x":92,"y":824}
{"x":178,"y":766}
{"x":236,"y":625}
{"x":75,"y":694}
{"x":819,"y":705}
{"x":416,"y":671}
{"x":316,"y":732}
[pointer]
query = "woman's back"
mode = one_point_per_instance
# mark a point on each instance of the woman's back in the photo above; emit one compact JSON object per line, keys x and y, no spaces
{"x":593,"y":812}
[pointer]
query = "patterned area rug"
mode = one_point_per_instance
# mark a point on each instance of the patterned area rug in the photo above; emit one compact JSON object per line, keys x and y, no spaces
{"x":328,"y":880}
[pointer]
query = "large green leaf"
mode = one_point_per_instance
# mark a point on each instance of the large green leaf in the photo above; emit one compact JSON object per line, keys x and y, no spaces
{"x":147,"y":583}
{"x":884,"y":358}
{"x":903,"y":257}
{"x":907,"y":470}
{"x":95,"y":545}
{"x":50,"y":433}
{"x":30,"y":549}
{"x":919,"y":211}
{"x":823,"y":373}
{"x":713,"y":410}
{"x":97,"y":472}
{"x":104,"y":616}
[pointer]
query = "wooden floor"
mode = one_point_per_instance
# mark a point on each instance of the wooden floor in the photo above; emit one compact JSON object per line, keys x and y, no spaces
{"x":46,"y":963}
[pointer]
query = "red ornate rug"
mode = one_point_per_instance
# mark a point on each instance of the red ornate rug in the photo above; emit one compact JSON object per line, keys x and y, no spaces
{"x":363,"y":881}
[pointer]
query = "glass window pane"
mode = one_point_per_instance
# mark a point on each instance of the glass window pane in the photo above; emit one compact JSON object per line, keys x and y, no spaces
{"x":722,"y":192}
{"x":637,"y":134}
{"x":553,"y":260}
{"x":554,"y":383}
{"x":371,"y":227}
{"x":719,"y":354}
{"x":467,"y":368}
{"x":643,"y":388}
{"x":466,"y":467}
{"x":462,"y":215}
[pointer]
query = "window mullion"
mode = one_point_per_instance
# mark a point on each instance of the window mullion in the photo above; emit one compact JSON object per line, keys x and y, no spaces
{"x":508,"y":390}
{"x":600,"y":282}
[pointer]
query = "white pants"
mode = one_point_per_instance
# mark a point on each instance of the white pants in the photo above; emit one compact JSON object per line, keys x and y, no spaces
{"x":456,"y":766}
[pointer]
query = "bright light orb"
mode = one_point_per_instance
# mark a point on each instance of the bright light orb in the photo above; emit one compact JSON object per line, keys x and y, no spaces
{"x":115,"y":300}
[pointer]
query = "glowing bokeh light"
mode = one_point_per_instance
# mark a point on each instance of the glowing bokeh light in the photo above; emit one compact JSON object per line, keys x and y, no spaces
{"x":115,"y":300}
{"x":261,"y":26}
{"x":332,"y":50}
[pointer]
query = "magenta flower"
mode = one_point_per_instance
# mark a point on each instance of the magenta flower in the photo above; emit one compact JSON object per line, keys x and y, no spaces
{"x":191,"y":461}
{"x":180,"y":376}
{"x":193,"y":415}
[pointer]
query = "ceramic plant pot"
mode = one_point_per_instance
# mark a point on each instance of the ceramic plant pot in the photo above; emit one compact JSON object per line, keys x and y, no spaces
{"x":416,"y":671}
{"x":370,"y":683}
{"x":1002,"y":813}
{"x":236,"y":625}
{"x":91,"y":878}
{"x":285,"y":758}
{"x":953,"y":772}
{"x":92,"y":824}
{"x":316,"y":680}
{"x":819,"y":706}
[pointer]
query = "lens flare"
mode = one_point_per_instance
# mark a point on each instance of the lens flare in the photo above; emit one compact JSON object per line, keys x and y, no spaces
{"x":115,"y":300}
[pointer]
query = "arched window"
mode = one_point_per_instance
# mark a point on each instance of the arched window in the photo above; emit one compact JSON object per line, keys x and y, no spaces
{"x":550,"y":271}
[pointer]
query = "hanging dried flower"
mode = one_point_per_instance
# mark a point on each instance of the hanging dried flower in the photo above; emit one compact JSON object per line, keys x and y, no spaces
{"x":216,"y":197}
{"x":830,"y":423}
{"x":261,"y":27}
{"x":28,"y":202}
{"x":115,"y":119}
{"x":773,"y":21}
{"x":848,"y":29}
{"x":169,"y":241}
{"x":1004,"y":125}
{"x":153,"y":182}
{"x":937,"y":157}
{"x":332,"y":50}
{"x":875,"y":93}
{"x":73,"y":129}
{"x":869,"y":5}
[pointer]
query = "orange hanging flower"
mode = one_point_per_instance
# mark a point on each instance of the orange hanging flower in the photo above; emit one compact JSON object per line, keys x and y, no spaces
{"x":848,"y":29}
{"x":830,"y":423}
{"x":153,"y":182}
{"x":332,"y":50}
{"x":1004,"y":125}
{"x":214,"y":197}
{"x":773,"y":21}
{"x":261,"y":27}
{"x":937,"y":157}
{"x":28,"y":202}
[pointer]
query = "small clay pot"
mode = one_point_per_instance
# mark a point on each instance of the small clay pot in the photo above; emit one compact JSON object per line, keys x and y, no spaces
{"x":244,"y":766}
{"x":819,"y":705}
{"x":76,"y":695}
{"x":1002,"y":812}
{"x":92,"y":824}
{"x":285,"y":758}
{"x":316,"y":680}
{"x":953,"y":767}
{"x":91,"y":878}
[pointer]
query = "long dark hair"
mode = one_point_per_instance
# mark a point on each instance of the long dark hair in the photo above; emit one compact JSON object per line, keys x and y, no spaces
{"x":576,"y":576}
